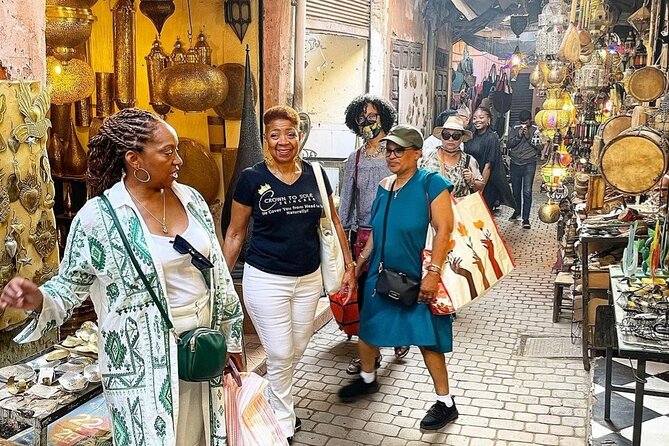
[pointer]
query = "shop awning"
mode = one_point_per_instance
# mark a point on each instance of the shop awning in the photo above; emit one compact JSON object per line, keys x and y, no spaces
{"x":472,"y":9}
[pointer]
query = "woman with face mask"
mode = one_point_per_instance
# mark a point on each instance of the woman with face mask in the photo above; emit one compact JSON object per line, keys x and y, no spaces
{"x":369,"y":117}
{"x":449,"y":159}
{"x":484,"y":147}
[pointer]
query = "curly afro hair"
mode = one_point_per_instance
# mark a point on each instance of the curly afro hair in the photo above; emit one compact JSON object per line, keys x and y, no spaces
{"x":357,"y":107}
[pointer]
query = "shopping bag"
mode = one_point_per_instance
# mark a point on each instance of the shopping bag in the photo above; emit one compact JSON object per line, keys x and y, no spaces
{"x":477,"y":256}
{"x":502,"y":97}
{"x":249,"y":419}
{"x":344,"y":306}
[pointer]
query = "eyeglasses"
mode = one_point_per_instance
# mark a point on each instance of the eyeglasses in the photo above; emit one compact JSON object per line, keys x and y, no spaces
{"x":198,"y":260}
{"x":372,"y":117}
{"x":398,"y":152}
{"x":446,"y":136}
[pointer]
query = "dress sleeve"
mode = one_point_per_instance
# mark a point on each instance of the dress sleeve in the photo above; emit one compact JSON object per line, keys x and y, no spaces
{"x":492,"y":150}
{"x":68,"y":289}
{"x":347,"y":203}
{"x":244,"y":191}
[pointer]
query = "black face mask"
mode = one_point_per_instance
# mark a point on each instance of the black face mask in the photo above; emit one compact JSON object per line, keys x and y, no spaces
{"x":370,"y":129}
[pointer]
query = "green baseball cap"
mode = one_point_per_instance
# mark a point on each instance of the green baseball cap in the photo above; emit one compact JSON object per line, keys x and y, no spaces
{"x":405,"y":135}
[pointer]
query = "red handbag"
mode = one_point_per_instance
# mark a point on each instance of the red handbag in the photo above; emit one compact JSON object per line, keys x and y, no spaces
{"x":344,"y":306}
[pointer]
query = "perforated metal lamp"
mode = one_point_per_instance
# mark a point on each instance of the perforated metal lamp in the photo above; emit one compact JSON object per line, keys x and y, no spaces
{"x":238,"y":16}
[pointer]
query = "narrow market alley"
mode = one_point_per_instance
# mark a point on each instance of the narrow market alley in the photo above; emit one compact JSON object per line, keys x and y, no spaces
{"x":516,"y":377}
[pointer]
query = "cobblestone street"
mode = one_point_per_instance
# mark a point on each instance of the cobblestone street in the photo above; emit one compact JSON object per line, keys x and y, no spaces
{"x":504,"y":398}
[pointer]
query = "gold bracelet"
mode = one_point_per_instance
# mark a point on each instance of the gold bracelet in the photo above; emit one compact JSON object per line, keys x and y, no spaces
{"x":433,"y":268}
{"x":350,"y":264}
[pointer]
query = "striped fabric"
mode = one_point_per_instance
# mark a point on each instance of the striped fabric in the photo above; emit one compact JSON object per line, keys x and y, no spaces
{"x":248,"y":416}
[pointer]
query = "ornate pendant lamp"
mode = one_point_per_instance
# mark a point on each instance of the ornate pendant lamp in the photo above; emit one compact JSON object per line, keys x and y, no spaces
{"x":238,"y":16}
{"x":158,"y":11}
{"x":156,"y":61}
{"x":191,"y":85}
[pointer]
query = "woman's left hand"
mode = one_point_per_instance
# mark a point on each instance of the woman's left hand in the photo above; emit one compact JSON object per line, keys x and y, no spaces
{"x":350,"y":280}
{"x":428,"y":287}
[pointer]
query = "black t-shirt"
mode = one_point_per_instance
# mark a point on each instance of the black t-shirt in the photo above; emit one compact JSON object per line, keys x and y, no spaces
{"x":285,"y":220}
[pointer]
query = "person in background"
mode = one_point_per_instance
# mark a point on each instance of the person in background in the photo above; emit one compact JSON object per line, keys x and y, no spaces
{"x":484,"y":147}
{"x":524,"y":147}
{"x":369,"y":117}
{"x":282,"y":277}
{"x":134,"y":162}
{"x":465,"y":114}
{"x":406,"y":203}
{"x":433,"y":141}
{"x":449,"y":159}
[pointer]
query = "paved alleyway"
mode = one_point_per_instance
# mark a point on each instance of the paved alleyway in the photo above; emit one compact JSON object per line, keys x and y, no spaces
{"x":504,"y":399}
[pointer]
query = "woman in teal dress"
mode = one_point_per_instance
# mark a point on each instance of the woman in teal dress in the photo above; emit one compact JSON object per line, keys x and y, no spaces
{"x":413,"y":198}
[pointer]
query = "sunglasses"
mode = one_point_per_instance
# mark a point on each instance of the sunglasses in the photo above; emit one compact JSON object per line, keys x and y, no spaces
{"x":446,"y":136}
{"x":198,"y":260}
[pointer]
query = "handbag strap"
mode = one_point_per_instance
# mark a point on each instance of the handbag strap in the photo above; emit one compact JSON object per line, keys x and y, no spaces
{"x":318,"y":173}
{"x":356,"y":191}
{"x":385,"y":223}
{"x":148,"y":286}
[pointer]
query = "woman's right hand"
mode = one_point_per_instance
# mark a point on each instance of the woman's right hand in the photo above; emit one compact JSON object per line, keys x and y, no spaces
{"x":21,"y":293}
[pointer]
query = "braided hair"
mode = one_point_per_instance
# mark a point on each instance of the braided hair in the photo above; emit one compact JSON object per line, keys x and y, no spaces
{"x":387,"y":112}
{"x":128,"y":129}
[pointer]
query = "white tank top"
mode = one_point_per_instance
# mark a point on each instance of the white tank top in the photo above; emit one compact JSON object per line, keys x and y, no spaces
{"x":185,"y":283}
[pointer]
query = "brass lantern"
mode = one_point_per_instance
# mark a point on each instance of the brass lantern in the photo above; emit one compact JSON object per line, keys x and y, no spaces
{"x":67,"y":28}
{"x":71,"y":81}
{"x":156,"y":61}
{"x":192,"y":86}
{"x":238,"y":16}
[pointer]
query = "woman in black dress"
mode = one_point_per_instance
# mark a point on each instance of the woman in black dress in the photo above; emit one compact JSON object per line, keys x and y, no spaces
{"x":484,"y":147}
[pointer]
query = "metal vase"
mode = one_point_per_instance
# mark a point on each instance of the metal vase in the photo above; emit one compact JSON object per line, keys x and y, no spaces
{"x":156,"y":61}
{"x":124,"y":53}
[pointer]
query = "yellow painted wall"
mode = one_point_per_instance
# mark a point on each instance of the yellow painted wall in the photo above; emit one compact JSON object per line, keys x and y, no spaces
{"x":207,"y":15}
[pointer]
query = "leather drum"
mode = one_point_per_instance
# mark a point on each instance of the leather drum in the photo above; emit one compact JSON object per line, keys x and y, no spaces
{"x":647,"y":84}
{"x":634,"y":161}
{"x":613,"y":127}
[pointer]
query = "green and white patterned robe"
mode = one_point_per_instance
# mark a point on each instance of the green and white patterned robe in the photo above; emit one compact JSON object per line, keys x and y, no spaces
{"x":138,"y":355}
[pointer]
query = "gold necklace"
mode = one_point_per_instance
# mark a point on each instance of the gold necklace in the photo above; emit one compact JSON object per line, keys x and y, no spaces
{"x":162,"y":222}
{"x":277,"y":173}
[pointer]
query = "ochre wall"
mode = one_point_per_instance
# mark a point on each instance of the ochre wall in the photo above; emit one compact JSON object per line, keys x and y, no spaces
{"x":22,"y":36}
{"x":207,"y":15}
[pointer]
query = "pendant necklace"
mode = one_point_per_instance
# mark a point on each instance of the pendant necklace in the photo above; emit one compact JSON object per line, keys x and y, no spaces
{"x":399,"y":189}
{"x":162,"y":222}
{"x":375,"y":153}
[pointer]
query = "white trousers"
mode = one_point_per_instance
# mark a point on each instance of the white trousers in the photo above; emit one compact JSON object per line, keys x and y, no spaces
{"x":193,"y":418}
{"x":282,"y":309}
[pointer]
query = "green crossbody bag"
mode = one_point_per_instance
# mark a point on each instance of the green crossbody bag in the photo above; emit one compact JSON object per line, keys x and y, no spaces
{"x":201,"y":351}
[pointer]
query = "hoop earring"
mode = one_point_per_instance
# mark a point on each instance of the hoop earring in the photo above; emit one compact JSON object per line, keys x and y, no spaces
{"x":148,"y":175}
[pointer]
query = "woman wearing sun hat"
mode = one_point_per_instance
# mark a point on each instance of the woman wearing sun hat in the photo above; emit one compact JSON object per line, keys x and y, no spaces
{"x":451,"y":161}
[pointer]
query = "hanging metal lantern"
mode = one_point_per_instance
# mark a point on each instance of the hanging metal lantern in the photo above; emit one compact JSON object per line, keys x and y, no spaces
{"x":238,"y":16}
{"x":536,"y":77}
{"x":203,"y":49}
{"x":192,"y":86}
{"x":67,"y":28}
{"x":156,"y":61}
{"x":158,"y":11}
{"x":178,"y":53}
{"x":124,"y":53}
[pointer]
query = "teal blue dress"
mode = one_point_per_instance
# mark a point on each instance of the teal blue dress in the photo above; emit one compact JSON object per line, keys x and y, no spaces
{"x":385,"y":322}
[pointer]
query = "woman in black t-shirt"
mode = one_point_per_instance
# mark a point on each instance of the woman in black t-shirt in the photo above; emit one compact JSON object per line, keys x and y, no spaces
{"x":282,"y":280}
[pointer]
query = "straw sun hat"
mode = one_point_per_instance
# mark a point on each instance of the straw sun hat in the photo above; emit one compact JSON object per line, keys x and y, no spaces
{"x":453,"y":123}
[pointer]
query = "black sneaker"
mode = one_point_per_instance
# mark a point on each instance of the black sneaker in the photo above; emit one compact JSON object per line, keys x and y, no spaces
{"x":357,"y":389}
{"x":401,"y":352}
{"x":438,"y":416}
{"x":526,"y":224}
{"x":514,"y":216}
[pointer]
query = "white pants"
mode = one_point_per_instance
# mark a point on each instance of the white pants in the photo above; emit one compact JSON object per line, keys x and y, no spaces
{"x":282,"y":309}
{"x":193,"y":419}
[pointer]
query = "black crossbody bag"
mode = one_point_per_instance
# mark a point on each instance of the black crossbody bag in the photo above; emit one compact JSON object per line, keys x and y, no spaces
{"x":394,"y":284}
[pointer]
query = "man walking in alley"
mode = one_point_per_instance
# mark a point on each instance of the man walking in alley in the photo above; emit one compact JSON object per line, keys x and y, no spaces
{"x":524,"y":147}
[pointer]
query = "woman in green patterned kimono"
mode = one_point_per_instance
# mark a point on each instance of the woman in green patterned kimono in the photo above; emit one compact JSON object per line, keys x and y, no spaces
{"x":134,"y":161}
